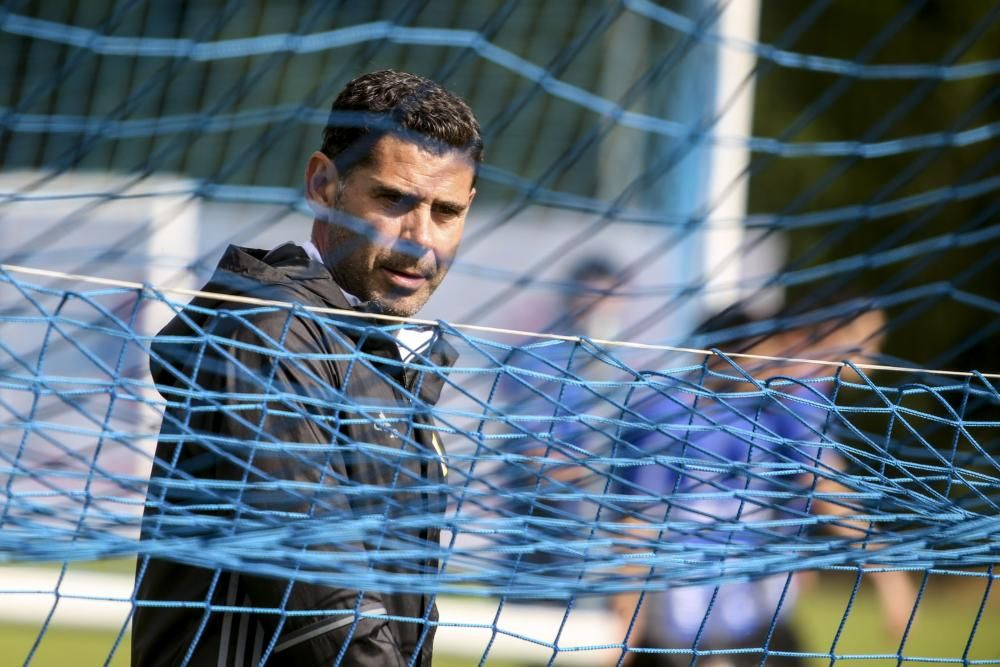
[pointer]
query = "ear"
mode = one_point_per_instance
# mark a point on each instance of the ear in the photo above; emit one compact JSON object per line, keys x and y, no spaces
{"x":321,"y":183}
{"x":472,"y":195}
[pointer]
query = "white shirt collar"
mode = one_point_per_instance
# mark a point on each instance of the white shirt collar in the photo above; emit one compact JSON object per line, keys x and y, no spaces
{"x":412,"y":340}
{"x":312,"y":251}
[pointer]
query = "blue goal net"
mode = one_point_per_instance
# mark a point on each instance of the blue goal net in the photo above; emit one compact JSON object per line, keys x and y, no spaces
{"x":713,"y":381}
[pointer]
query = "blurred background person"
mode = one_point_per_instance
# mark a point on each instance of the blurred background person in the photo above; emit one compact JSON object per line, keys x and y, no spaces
{"x":739,"y":454}
{"x":549,"y":445}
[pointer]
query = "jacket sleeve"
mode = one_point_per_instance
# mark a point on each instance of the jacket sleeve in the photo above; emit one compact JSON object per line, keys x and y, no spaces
{"x":270,"y":423}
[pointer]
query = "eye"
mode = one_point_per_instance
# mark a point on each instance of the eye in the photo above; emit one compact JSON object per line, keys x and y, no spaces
{"x":447,"y":212}
{"x":394,"y":201}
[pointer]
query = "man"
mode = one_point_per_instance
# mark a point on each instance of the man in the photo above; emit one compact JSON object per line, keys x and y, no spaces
{"x":284,"y":428}
{"x":734,"y":456}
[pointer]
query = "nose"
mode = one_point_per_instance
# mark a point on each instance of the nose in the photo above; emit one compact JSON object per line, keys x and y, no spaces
{"x":415,"y":233}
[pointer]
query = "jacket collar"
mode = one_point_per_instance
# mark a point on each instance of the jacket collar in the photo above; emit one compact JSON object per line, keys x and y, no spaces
{"x":243,"y":270}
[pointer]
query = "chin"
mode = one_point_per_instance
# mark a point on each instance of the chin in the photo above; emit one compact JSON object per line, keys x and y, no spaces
{"x":402,"y":311}
{"x":399,"y":307}
{"x":402,"y":305}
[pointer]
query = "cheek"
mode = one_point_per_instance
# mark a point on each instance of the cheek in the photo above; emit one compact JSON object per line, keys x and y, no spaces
{"x":359,"y":246}
{"x":450,"y":241}
{"x":380,"y":233}
{"x":366,"y":234}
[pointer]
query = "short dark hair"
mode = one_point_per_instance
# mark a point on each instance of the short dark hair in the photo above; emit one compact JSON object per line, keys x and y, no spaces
{"x":592,"y":268}
{"x":727,"y":328}
{"x":391,"y":102}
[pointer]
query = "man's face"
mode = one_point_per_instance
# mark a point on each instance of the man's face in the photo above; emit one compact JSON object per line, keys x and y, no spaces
{"x":395,"y":221}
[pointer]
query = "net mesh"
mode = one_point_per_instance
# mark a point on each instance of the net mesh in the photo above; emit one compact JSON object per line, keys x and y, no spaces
{"x":608,"y":483}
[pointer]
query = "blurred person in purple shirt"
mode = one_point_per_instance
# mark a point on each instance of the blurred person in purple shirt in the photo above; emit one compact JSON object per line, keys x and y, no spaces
{"x":726,"y":469}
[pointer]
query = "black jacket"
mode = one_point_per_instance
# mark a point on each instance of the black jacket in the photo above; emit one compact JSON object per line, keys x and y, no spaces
{"x":263,"y":456}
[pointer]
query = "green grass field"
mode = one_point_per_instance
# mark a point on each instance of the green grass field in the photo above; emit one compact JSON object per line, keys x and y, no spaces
{"x":65,"y":647}
{"x":941,"y":629}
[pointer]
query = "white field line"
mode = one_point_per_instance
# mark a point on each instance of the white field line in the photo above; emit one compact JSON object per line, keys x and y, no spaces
{"x":101,"y":601}
{"x":85,"y":599}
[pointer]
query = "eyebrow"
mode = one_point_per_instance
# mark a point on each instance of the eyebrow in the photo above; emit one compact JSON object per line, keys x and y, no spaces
{"x":379,"y":189}
{"x":449,"y":207}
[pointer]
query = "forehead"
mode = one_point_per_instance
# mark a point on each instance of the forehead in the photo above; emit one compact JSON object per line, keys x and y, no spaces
{"x":413,"y":168}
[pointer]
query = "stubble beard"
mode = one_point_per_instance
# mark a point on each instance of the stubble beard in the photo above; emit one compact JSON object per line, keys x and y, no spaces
{"x":407,"y":304}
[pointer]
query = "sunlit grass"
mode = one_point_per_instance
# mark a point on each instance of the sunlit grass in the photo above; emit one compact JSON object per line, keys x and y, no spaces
{"x":61,"y":646}
{"x":941,"y":629}
{"x":109,"y":566}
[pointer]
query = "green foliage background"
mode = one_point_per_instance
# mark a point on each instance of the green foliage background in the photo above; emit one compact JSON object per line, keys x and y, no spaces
{"x":935,"y":330}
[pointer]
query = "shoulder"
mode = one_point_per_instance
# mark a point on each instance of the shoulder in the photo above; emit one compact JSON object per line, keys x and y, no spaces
{"x":278,"y":328}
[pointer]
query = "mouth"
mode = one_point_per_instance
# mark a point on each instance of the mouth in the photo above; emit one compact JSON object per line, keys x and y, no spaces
{"x":403,"y":278}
